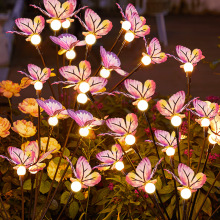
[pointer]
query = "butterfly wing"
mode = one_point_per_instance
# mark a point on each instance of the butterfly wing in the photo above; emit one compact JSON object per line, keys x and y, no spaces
{"x":25,"y":25}
{"x":186,"y":174}
{"x":71,"y":73}
{"x":34,"y":71}
{"x":130,"y":11}
{"x":39,"y":23}
{"x":84,"y":69}
{"x":117,"y":125}
{"x":184,"y":53}
{"x":196,"y":56}
{"x":96,"y":84}
{"x":134,"y":87}
{"x":81,"y":117}
{"x":131,"y":123}
{"x":163,"y":137}
{"x":198,"y":181}
{"x":155,"y":168}
{"x":17,"y":155}
{"x":45,"y":74}
{"x":149,"y":89}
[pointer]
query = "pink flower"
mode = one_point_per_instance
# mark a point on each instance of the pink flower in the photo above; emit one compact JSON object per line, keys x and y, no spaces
{"x":213,"y":157}
{"x":190,"y":152}
{"x":111,"y":186}
{"x":213,"y":98}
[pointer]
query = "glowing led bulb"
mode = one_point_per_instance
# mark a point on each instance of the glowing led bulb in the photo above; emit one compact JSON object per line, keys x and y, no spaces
{"x":130,"y":139}
{"x":146,"y":60}
{"x":211,"y":139}
{"x":186,"y":193}
{"x":170,"y":151}
{"x":126,"y":25}
{"x":38,"y":85}
{"x":21,"y":171}
{"x":82,"y":98}
{"x":90,"y":39}
{"x":35,"y":39}
{"x":188,"y":67}
{"x":55,"y":25}
{"x":33,"y":172}
{"x":205,"y":122}
{"x":53,"y":121}
{"x":150,"y":188}
{"x":105,"y":73}
{"x":76,"y":186}
{"x":142,"y":105}
{"x":84,"y":132}
{"x":176,"y":121}
{"x":84,"y":87}
{"x":66,"y":24}
{"x":129,"y":36}
{"x":119,"y":166}
{"x":70,"y":55}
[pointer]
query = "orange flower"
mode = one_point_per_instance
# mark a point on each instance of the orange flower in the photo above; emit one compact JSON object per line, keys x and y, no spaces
{"x":24,"y":128}
{"x":9,"y":89}
{"x":29,"y":106}
{"x":4,"y":127}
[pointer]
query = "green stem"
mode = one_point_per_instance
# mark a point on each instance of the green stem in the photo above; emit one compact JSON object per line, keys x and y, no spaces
{"x":9,"y":102}
{"x":87,"y":203}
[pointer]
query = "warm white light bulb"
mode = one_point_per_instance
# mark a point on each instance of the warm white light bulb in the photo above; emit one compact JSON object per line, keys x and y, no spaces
{"x":90,"y":39}
{"x":33,"y":172}
{"x":142,"y":105}
{"x":119,"y":166}
{"x":105,"y":73}
{"x":176,"y":121}
{"x":126,"y":25}
{"x":188,"y":67}
{"x":84,"y":87}
{"x":76,"y":186}
{"x":205,"y":122}
{"x":84,"y":132}
{"x":82,"y":98}
{"x":38,"y":85}
{"x":70,"y":55}
{"x":211,"y":139}
{"x":186,"y":193}
{"x":66,"y":24}
{"x":55,"y":25}
{"x":53,"y":121}
{"x":21,"y":171}
{"x":170,"y":151}
{"x":129,"y":36}
{"x":35,"y":39}
{"x":130,"y":139}
{"x":150,"y":188}
{"x":146,"y":60}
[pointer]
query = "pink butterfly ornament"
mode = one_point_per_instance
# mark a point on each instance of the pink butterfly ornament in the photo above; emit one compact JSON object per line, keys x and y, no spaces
{"x":214,"y":131}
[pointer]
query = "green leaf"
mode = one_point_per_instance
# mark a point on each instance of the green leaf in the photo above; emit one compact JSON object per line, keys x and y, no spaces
{"x":73,"y":209}
{"x":64,"y":197}
{"x":207,"y":207}
{"x":6,"y":188}
{"x":27,"y":185}
{"x":54,"y":205}
{"x":4,"y":169}
{"x":66,"y":152}
{"x":159,"y":183}
{"x":44,"y":186}
{"x":171,"y":207}
{"x":79,"y":196}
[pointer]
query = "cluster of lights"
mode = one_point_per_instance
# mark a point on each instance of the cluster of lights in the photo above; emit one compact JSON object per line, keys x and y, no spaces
{"x":146,"y":60}
{"x":105,"y":73}
{"x":150,"y":188}
{"x":21,"y":171}
{"x":90,"y":39}
{"x":55,"y":25}
{"x":170,"y":151}
{"x":188,"y":67}
{"x":129,"y":36}
{"x":186,"y":193}
{"x":126,"y":25}
{"x":53,"y":121}
{"x":176,"y":121}
{"x":70,"y":54}
{"x":76,"y":186}
{"x":35,"y":39}
{"x":205,"y":122}
{"x":119,"y":166}
{"x":130,"y":139}
{"x":142,"y":105}
{"x":83,"y":88}
{"x":84,"y":132}
{"x":38,"y":86}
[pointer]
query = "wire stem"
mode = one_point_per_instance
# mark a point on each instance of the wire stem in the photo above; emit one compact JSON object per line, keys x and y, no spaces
{"x":178,"y":143}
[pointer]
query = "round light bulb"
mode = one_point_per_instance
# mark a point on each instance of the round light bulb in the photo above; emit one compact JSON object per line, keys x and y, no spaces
{"x":129,"y":36}
{"x":33,"y":172}
{"x":211,"y":139}
{"x":76,"y":186}
{"x":82,"y":98}
{"x":188,"y":67}
{"x":170,"y":151}
{"x":150,"y":188}
{"x":84,"y":132}
{"x":38,"y":85}
{"x":186,"y":193}
{"x":55,"y":25}
{"x":176,"y":121}
{"x":70,"y":55}
{"x":35,"y":39}
{"x":119,"y":166}
{"x":205,"y":122}
{"x":90,"y":39}
{"x":142,"y":105}
{"x":126,"y":25}
{"x":21,"y":171}
{"x":53,"y":121}
{"x":130,"y":139}
{"x":105,"y":73}
{"x":146,"y":60}
{"x":66,"y":24}
{"x":84,"y":87}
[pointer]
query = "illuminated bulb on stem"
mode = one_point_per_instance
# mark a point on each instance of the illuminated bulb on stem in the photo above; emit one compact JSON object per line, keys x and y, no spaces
{"x":53,"y":121}
{"x":38,"y":85}
{"x":211,"y":141}
{"x":130,"y":139}
{"x":90,"y":39}
{"x":82,"y":98}
{"x":33,"y":172}
{"x":76,"y":186}
{"x":205,"y":122}
{"x":129,"y":36}
{"x":146,"y":60}
{"x":186,"y":193}
{"x":176,"y":121}
{"x":84,"y":87}
{"x":35,"y":39}
{"x":70,"y":55}
{"x":170,"y":151}
{"x":188,"y":67}
{"x":55,"y":25}
{"x":84,"y":132}
{"x":66,"y":24}
{"x":150,"y":188}
{"x":21,"y":171}
{"x":105,"y":73}
{"x":119,"y":166}
{"x":142,"y":105}
{"x":126,"y":25}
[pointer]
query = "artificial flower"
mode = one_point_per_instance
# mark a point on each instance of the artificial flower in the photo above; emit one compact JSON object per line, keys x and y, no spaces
{"x":24,"y":128}
{"x":9,"y":88}
{"x":4,"y":127}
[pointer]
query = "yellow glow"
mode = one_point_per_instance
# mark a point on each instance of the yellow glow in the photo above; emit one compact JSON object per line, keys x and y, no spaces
{"x":130,"y":139}
{"x":129,"y":36}
{"x":186,"y":193}
{"x":176,"y":121}
{"x":82,"y":98}
{"x":33,"y":172}
{"x":119,"y":166}
{"x":142,"y":105}
{"x":90,"y":39}
{"x":188,"y":67}
{"x":35,"y":39}
{"x":76,"y":186}
{"x":70,"y":55}
{"x":84,"y":132}
{"x":38,"y":85}
{"x":21,"y":171}
{"x":146,"y":60}
{"x":105,"y":73}
{"x":205,"y":122}
{"x":170,"y":151}
{"x":66,"y":24}
{"x":53,"y":121}
{"x":126,"y":25}
{"x":150,"y":188}
{"x":84,"y":87}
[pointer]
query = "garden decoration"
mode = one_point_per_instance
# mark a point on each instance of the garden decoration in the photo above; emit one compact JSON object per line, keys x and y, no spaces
{"x":89,"y":153}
